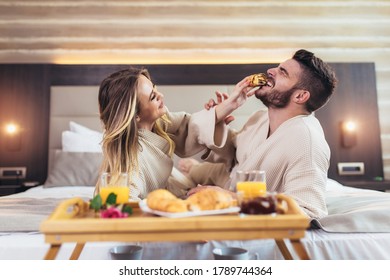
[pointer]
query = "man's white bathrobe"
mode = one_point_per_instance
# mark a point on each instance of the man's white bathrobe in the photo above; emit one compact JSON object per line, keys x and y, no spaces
{"x":295,"y":157}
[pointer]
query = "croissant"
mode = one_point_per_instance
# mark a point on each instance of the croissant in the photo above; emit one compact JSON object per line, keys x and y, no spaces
{"x":209,"y":199}
{"x":164,"y":200}
{"x":258,"y":80}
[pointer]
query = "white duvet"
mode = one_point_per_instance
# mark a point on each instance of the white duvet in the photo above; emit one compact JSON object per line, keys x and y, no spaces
{"x":355,"y":210}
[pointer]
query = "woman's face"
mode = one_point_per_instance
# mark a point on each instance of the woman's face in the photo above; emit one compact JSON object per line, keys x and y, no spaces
{"x":151,"y":103}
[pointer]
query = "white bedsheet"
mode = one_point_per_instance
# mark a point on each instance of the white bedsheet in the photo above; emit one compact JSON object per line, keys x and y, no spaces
{"x":56,"y":192}
{"x":319,"y":244}
{"x":35,"y":204}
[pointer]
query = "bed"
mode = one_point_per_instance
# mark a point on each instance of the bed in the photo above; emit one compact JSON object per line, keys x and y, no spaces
{"x":357,"y":226}
{"x":340,"y":238}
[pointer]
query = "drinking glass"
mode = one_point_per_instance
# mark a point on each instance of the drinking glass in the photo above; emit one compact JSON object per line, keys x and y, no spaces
{"x":251,"y":183}
{"x":117,"y":184}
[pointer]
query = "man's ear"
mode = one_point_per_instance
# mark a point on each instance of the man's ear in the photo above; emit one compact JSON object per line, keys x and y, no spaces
{"x":301,"y":96}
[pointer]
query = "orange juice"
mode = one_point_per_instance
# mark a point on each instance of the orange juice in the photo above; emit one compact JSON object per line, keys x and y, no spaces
{"x":121,"y":192}
{"x":251,"y":189}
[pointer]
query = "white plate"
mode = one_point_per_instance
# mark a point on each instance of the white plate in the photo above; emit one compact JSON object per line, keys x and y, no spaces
{"x":144,"y":207}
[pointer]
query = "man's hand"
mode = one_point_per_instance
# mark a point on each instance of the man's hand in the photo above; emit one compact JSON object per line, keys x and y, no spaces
{"x":221,"y":96}
{"x":185,"y":165}
{"x":199,"y":188}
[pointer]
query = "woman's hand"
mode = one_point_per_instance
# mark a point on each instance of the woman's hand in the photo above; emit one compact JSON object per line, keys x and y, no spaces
{"x":230,"y":103}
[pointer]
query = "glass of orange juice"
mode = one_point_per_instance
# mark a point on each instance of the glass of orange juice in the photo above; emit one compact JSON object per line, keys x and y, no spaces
{"x":251,"y":183}
{"x":117,"y":184}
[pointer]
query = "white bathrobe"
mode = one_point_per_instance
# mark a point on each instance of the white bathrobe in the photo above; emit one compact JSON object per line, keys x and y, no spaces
{"x":156,"y":166}
{"x":295,"y":157}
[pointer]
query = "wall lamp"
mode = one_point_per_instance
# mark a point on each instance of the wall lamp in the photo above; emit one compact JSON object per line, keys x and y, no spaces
{"x":348,"y":134}
{"x":13,"y":137}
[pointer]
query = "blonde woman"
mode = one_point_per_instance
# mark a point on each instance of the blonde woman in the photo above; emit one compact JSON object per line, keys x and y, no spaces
{"x":140,"y":134}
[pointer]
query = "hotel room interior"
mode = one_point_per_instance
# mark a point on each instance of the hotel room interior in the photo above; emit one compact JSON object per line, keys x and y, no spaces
{"x":54,"y":54}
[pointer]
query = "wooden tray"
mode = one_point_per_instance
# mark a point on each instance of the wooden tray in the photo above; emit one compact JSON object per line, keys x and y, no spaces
{"x":73,"y":221}
{"x":74,"y":215}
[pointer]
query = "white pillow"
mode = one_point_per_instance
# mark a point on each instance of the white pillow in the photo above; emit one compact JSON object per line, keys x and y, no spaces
{"x":75,"y":142}
{"x":83,"y":130}
{"x":74,"y":169}
{"x":333,"y":185}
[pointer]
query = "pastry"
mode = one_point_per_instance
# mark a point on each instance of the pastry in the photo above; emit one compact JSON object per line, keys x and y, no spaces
{"x":206,"y":199}
{"x":164,"y":200}
{"x":209,"y":199}
{"x":258,"y":80}
{"x":174,"y":206}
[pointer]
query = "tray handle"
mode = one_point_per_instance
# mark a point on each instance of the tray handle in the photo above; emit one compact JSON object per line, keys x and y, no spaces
{"x":287,"y":205}
{"x":70,"y":208}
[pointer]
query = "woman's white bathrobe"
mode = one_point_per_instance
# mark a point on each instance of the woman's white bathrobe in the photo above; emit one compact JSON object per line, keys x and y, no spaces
{"x":156,"y":166}
{"x":295,"y":157}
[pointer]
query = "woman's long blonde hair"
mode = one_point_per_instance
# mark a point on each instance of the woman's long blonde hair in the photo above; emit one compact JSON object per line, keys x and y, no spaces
{"x":118,"y":108}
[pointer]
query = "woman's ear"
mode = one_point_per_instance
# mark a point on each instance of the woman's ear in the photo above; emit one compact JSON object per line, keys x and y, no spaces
{"x":137,"y":118}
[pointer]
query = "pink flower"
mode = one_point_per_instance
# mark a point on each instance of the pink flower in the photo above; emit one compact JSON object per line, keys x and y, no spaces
{"x":113,"y":212}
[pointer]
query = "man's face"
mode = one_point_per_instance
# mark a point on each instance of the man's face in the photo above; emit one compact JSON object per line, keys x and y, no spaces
{"x":281,"y":84}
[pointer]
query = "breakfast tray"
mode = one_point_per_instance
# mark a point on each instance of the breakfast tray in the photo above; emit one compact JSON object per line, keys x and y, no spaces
{"x":73,"y":221}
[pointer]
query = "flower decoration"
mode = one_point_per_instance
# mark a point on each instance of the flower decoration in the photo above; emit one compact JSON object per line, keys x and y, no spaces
{"x":110,"y":209}
{"x":113,"y":212}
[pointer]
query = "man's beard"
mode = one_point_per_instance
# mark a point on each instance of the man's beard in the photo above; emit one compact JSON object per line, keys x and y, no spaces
{"x":276,"y":99}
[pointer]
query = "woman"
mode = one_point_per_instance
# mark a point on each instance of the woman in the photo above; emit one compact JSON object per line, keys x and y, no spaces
{"x":140,"y":134}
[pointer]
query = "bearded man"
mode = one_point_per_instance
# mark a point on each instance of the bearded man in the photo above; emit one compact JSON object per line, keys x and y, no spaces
{"x":286,"y":140}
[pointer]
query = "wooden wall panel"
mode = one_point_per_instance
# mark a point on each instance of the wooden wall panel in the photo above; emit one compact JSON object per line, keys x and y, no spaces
{"x":24,"y":99}
{"x":355,"y":99}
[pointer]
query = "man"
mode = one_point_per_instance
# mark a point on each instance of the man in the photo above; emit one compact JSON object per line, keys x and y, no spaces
{"x":286,"y":140}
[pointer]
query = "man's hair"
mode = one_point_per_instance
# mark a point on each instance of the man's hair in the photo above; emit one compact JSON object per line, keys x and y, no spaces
{"x":317,"y":77}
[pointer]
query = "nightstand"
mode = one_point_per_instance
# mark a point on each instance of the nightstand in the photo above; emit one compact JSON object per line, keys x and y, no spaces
{"x":369,"y":185}
{"x":8,"y":189}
